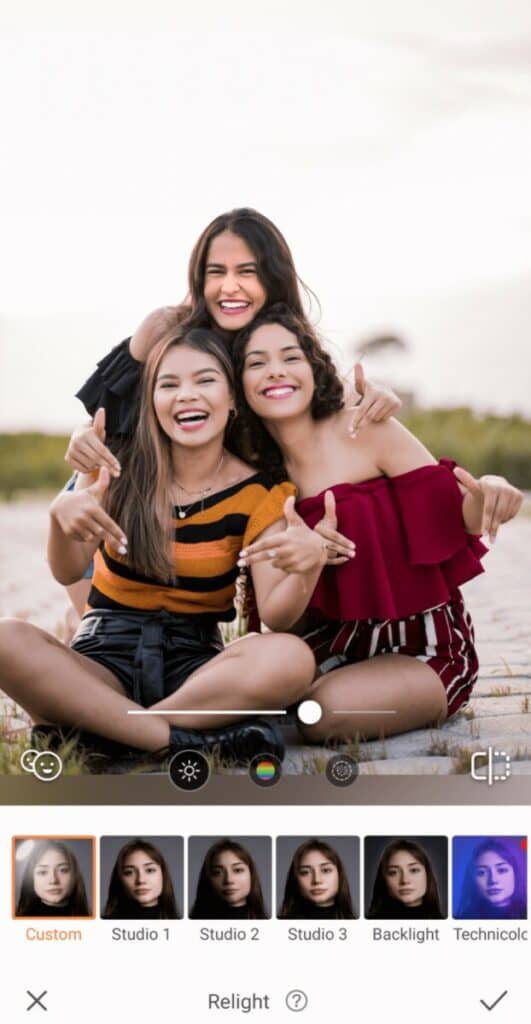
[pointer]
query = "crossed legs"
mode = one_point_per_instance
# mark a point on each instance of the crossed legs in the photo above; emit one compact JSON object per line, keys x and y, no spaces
{"x":385,"y":695}
{"x":55,"y":684}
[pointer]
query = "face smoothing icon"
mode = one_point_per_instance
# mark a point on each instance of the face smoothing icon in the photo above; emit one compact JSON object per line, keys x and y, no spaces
{"x":341,"y":770}
{"x":189,"y":770}
{"x":45,"y":765}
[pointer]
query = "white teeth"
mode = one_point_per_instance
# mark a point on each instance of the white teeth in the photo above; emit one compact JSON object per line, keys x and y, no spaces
{"x":186,"y":417}
{"x":234,"y":305}
{"x":279,"y":391}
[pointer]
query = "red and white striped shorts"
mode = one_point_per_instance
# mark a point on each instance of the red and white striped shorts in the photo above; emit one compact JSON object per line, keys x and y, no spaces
{"x":442,"y":637}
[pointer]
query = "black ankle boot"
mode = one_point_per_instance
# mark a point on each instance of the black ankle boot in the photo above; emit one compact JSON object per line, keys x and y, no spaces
{"x":238,"y":743}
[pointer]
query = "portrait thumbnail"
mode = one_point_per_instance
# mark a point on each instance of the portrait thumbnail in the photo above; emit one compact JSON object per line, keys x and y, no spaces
{"x":229,"y":878}
{"x":406,"y":877}
{"x":317,"y":877}
{"x":53,"y":876}
{"x":141,"y":877}
{"x":489,"y":875}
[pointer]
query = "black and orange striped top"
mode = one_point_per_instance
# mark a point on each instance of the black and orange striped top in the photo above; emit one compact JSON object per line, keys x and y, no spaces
{"x":206,"y":545}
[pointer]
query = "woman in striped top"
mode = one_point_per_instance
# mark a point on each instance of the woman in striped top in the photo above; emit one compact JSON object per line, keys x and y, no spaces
{"x":166,"y":536}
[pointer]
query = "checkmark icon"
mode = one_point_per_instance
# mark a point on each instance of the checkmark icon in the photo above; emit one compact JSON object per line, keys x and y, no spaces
{"x":490,"y":1006}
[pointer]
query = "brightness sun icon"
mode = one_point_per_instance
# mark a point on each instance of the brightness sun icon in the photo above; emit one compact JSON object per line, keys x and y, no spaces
{"x":189,"y":771}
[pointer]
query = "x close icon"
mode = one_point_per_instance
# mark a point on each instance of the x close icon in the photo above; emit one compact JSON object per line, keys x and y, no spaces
{"x":36,"y":1000}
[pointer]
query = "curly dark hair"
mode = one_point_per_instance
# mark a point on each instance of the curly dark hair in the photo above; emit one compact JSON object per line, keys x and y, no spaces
{"x":258,"y":447}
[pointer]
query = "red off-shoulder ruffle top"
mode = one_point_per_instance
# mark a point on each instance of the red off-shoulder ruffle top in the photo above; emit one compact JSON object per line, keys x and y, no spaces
{"x":412,"y":550}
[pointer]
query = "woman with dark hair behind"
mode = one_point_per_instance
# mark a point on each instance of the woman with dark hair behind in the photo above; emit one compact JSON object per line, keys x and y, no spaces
{"x":241,"y":264}
{"x":494,"y":884}
{"x":140,"y":885}
{"x":405,"y":885}
{"x":316,"y":885}
{"x":229,"y":885}
{"x":52,"y":883}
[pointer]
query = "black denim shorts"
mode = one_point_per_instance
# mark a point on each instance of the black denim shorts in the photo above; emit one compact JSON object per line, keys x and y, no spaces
{"x":151,"y":653}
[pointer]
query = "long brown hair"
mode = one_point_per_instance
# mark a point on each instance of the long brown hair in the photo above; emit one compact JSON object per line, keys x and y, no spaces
{"x":77,"y":905}
{"x":208,"y":903}
{"x":383,"y":904}
{"x":294,"y":903}
{"x":276,"y":271}
{"x":119,"y":902}
{"x":275,"y":266}
{"x":140,"y":498}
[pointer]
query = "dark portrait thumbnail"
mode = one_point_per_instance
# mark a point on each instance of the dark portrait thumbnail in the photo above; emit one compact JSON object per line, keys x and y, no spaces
{"x":141,"y":877}
{"x":229,"y":878}
{"x":318,"y":877}
{"x":53,"y":876}
{"x":406,"y":877}
{"x":489,"y":876}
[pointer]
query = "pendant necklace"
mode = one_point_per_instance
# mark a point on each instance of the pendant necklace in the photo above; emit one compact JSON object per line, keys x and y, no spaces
{"x":183,"y":512}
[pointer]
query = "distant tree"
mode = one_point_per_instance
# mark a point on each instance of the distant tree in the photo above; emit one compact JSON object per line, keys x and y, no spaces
{"x":381,"y":343}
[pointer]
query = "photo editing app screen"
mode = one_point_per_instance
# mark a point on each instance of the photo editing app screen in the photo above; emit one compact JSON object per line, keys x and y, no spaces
{"x":265,"y":482}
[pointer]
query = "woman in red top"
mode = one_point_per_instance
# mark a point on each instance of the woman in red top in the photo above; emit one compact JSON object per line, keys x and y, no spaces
{"x":386,"y":621}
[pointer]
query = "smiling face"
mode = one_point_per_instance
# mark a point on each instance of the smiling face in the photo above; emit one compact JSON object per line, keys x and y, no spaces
{"x":47,"y":766}
{"x":494,"y":878}
{"x":406,"y":878}
{"x":318,"y":879}
{"x":233,"y":291}
{"x":142,"y":878}
{"x":191,"y":397}
{"x":277,"y":377}
{"x":230,"y":877}
{"x":53,"y":880}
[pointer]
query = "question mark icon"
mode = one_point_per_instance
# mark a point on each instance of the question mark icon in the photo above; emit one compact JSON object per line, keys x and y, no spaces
{"x":296,"y":1000}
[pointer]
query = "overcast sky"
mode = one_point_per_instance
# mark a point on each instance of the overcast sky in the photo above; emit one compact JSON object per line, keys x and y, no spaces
{"x":393,"y":153}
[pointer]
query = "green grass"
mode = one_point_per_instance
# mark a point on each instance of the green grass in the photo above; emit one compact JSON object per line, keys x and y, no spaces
{"x":11,"y":749}
{"x":32,"y":462}
{"x":481,"y":443}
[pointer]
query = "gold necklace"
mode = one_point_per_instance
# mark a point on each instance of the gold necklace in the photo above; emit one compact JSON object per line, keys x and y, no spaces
{"x":181,"y":512}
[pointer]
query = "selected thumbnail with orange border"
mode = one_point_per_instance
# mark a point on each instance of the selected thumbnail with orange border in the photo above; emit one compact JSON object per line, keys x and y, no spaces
{"x":53,"y":876}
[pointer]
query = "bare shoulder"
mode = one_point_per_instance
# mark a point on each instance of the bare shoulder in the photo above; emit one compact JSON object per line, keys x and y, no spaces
{"x":394,"y":448}
{"x":162,"y":318}
{"x":152,"y":328}
{"x":236,"y":471}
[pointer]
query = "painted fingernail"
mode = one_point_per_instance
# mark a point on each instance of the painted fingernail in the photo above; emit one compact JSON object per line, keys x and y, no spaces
{"x":122,"y":550}
{"x":241,"y":563}
{"x":243,"y":552}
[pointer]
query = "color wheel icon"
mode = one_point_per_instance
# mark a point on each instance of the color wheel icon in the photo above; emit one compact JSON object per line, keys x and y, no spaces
{"x":265,"y":770}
